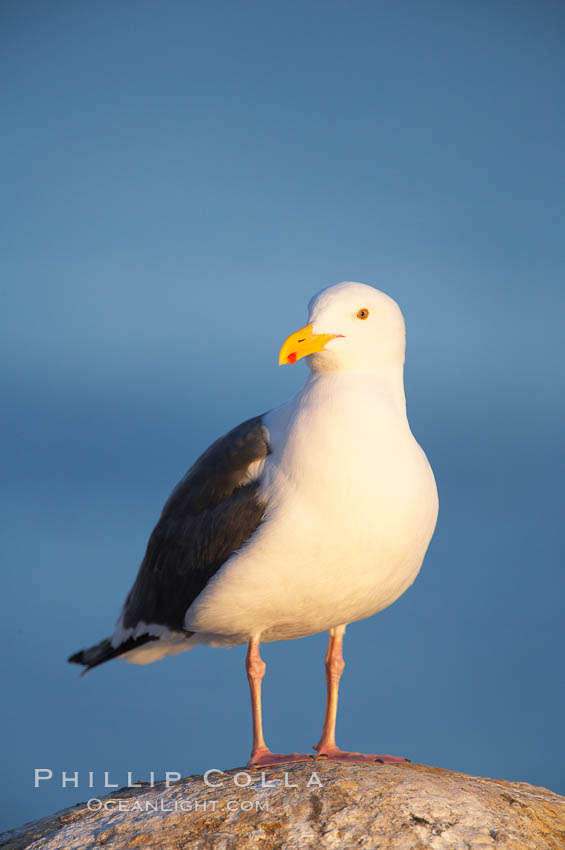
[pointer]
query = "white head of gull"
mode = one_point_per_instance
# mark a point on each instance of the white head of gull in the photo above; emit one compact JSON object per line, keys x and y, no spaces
{"x":366,"y":338}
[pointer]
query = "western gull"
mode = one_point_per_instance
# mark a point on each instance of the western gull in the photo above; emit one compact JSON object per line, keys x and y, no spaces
{"x":309,"y":517}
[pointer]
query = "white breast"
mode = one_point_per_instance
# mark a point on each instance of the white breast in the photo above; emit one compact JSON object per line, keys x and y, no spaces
{"x":352,"y":506}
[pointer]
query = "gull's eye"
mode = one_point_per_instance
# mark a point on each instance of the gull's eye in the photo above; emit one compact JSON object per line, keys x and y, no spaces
{"x":363,"y":313}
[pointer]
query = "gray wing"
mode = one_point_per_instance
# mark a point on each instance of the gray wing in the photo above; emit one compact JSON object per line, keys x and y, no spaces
{"x":209,"y":515}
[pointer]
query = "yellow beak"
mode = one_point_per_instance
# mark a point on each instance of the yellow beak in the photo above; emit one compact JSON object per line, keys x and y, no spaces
{"x":301,"y":343}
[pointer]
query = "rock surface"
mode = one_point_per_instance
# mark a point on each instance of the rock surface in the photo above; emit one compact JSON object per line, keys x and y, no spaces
{"x":319,"y":805}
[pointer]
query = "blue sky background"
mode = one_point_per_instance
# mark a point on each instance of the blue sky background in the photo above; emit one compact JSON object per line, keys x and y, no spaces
{"x":178,"y":179}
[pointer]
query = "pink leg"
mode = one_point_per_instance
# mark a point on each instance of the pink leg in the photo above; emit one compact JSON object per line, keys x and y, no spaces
{"x":261,"y":755}
{"x":326,"y":746}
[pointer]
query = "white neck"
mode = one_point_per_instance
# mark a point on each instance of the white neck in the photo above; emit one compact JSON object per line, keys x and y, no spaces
{"x":386,"y":378}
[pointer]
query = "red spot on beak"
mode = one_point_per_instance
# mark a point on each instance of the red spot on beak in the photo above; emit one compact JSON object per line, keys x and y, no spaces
{"x":292,"y":357}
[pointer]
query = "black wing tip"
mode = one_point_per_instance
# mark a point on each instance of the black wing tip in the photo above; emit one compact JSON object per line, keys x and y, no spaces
{"x":77,"y":658}
{"x":104,"y":651}
{"x":94,"y":655}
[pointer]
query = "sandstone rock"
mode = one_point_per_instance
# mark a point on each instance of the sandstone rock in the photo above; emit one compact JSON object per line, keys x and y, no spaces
{"x":333,"y":805}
